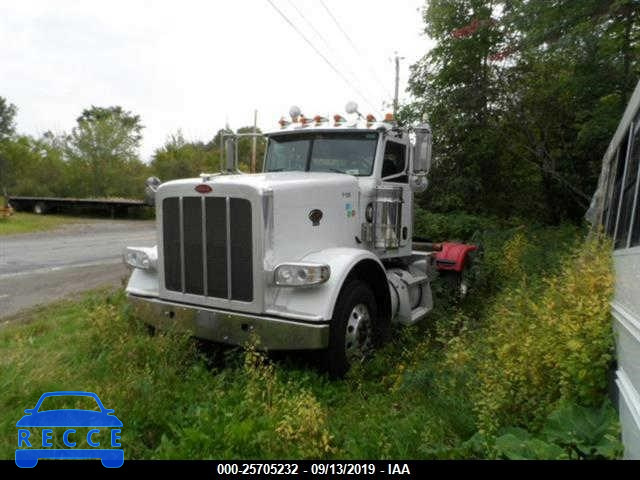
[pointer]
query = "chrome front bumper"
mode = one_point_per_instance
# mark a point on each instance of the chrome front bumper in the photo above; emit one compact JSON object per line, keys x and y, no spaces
{"x":230,"y":327}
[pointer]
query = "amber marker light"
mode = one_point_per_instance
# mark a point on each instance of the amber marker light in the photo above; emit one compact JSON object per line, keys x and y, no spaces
{"x":283,"y":123}
{"x":319,"y":119}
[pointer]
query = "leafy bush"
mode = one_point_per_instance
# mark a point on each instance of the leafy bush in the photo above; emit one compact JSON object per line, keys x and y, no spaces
{"x":571,"y":432}
{"x":440,"y":227}
{"x":534,"y":334}
{"x":546,"y":340}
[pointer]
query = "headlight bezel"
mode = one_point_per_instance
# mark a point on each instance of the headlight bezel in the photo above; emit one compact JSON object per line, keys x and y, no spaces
{"x":301,"y":274}
{"x":143,"y":258}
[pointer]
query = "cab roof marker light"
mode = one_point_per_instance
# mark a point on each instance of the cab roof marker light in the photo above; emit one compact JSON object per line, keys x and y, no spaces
{"x":304,"y":121}
{"x":319,"y":119}
{"x":389,"y":118}
{"x":283,"y":123}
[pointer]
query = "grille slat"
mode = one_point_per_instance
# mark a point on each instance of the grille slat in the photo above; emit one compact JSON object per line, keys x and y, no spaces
{"x":241,"y":245}
{"x":171,"y":241}
{"x":222,"y":233}
{"x":216,"y":246}
{"x":193,"y":265}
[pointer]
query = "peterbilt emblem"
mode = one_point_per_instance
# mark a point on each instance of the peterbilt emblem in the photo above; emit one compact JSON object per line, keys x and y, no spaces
{"x":315,"y":216}
{"x":203,"y":188}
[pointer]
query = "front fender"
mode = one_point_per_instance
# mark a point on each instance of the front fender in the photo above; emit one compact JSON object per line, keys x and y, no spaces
{"x":318,"y":302}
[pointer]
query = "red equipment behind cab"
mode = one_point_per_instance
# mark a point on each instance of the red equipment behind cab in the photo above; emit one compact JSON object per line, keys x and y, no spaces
{"x":453,"y":256}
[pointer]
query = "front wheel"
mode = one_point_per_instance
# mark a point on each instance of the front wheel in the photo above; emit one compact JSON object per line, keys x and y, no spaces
{"x":355,"y":328}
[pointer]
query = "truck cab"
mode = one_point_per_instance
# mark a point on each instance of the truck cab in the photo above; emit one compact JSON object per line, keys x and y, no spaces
{"x":315,"y":252}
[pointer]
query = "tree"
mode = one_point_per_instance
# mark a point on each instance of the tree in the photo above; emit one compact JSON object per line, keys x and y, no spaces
{"x":102,"y":149}
{"x":35,"y":167}
{"x":7,"y":127}
{"x":523,"y":97}
{"x":178,"y":158}
{"x":7,"y":118}
{"x":455,"y":87}
{"x":214,"y":143}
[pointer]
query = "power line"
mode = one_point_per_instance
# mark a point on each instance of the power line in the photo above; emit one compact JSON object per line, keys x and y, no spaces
{"x":355,"y":48}
{"x":338,"y":72}
{"x":325,"y":41}
{"x":317,"y":32}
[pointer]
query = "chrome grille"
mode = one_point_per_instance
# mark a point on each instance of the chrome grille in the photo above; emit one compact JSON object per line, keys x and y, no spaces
{"x":207,"y":246}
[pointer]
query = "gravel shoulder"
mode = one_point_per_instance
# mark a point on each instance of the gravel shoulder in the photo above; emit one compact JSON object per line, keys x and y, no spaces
{"x":43,"y":267}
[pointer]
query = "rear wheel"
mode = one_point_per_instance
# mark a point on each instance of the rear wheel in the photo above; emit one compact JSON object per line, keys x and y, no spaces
{"x":457,"y":282}
{"x":355,"y":328}
{"x":465,"y":280}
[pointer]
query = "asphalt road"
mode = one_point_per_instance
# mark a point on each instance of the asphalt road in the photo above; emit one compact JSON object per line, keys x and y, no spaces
{"x":39,"y":268}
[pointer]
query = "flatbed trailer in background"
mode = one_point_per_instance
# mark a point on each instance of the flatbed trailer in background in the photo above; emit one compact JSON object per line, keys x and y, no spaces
{"x":42,"y":205}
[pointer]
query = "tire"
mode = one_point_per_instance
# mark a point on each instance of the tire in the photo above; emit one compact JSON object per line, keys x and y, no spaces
{"x":150,"y":329}
{"x":458,"y":282}
{"x":355,"y":329}
{"x":39,"y":208}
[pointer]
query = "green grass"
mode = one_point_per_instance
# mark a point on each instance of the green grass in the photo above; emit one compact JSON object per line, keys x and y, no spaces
{"x":178,"y":400}
{"x":21,"y":222}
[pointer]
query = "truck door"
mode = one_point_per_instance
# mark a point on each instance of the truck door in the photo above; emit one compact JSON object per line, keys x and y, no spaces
{"x":395,"y":166}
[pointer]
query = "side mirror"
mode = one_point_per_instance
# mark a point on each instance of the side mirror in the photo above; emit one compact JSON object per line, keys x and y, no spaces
{"x":422,"y":149}
{"x":150,"y":192}
{"x":421,"y":158}
{"x":153,"y":182}
{"x":230,"y":147}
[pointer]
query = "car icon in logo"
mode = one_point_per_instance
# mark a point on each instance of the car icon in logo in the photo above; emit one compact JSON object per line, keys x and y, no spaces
{"x":100,"y":422}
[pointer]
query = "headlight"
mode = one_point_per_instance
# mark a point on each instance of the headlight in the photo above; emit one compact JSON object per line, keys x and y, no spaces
{"x":301,"y":274}
{"x":141,"y":257}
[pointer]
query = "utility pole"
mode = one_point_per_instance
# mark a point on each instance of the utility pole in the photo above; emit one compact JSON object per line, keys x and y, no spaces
{"x":253,"y":141}
{"x":395,"y":97}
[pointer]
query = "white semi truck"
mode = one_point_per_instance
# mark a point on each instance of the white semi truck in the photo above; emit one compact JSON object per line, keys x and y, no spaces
{"x":315,"y":252}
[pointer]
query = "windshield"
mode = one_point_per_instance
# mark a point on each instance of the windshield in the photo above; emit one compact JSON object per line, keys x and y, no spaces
{"x":63,"y":402}
{"x":351,"y":153}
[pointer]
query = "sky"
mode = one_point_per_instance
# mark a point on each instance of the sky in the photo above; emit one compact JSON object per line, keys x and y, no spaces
{"x":197,"y":65}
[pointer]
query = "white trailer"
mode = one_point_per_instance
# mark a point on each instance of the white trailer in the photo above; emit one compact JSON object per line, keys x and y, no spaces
{"x":616,"y":208}
{"x":315,"y":252}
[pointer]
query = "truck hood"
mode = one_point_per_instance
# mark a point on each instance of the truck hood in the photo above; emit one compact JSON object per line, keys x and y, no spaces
{"x":310,"y":211}
{"x":275,"y":181}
